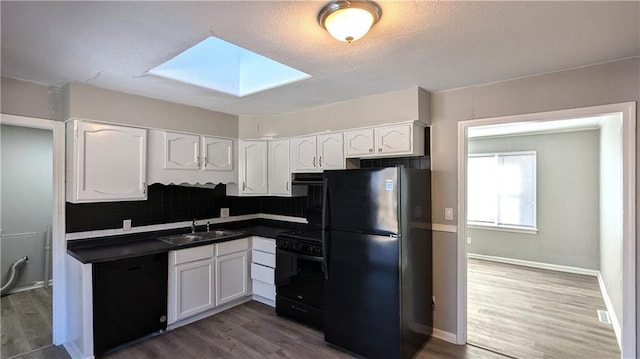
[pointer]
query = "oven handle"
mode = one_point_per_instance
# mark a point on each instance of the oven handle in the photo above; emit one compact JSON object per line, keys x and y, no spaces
{"x":303,"y":256}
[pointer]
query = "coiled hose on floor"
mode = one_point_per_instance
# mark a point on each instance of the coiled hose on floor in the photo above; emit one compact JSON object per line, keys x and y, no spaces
{"x":14,"y":271}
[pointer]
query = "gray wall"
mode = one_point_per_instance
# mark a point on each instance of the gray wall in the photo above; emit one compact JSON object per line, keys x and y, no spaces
{"x":567,"y":201}
{"x":98,"y":104}
{"x":27,"y":198}
{"x":24,"y":98}
{"x":602,"y":84}
{"x":610,"y":214}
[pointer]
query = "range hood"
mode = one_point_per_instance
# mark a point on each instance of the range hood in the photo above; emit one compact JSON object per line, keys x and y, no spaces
{"x":306,"y":178}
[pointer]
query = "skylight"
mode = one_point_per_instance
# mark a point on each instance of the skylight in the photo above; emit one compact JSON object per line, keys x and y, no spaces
{"x":222,"y":66}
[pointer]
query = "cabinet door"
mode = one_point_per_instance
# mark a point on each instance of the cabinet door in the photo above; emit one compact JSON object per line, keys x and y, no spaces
{"x":111,"y":163}
{"x":253,"y":167}
{"x":393,"y":139}
{"x":194,"y":288}
{"x":330,"y":151}
{"x":181,"y":151}
{"x":217,"y":154}
{"x":358,"y":142}
{"x":303,"y":154}
{"x":279,"y":173}
{"x":232,"y":277}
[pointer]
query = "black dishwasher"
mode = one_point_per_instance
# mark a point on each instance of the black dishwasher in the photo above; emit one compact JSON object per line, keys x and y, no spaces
{"x":129,"y":300}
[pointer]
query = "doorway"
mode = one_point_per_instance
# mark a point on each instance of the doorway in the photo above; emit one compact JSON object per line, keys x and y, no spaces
{"x":624,"y":294}
{"x":33,"y":310}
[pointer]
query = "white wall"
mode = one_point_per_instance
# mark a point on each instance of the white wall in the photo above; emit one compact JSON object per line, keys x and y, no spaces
{"x":27,"y":198}
{"x":567,"y":201}
{"x":610,"y":211}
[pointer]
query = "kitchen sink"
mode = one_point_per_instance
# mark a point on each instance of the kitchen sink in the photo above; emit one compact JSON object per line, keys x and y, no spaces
{"x":189,"y":238}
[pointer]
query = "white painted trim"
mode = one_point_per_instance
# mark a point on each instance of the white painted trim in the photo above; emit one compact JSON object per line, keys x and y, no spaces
{"x":444,"y":335}
{"x":175,"y":225}
{"x":628,"y":110}
{"x":58,"y":244}
{"x":539,"y":265}
{"x":444,"y":228}
{"x":612,"y":314}
{"x":209,"y":312}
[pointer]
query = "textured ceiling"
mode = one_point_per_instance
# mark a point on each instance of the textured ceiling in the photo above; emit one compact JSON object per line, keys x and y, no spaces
{"x":434,"y":45}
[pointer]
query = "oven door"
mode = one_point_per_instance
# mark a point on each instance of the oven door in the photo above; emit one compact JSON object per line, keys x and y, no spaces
{"x":300,"y":278}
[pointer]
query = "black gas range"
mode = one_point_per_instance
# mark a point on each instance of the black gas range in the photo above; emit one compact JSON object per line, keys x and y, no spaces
{"x":300,"y":276}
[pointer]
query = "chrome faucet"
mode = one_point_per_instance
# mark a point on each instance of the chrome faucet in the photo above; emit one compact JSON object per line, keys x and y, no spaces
{"x":207,"y":226}
{"x":193,"y":226}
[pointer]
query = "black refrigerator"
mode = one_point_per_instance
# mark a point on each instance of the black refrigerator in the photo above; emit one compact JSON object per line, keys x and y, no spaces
{"x":378,"y":260}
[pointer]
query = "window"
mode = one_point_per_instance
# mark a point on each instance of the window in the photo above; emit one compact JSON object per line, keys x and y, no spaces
{"x":501,"y":189}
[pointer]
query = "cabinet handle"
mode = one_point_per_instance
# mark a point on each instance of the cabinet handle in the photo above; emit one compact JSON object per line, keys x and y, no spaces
{"x":204,"y":163}
{"x":314,"y":161}
{"x":144,"y":187}
{"x":244,"y":185}
{"x":379,"y":149}
{"x":198,"y":162}
{"x":370,"y":150}
{"x":287,"y":186}
{"x":320,"y":162}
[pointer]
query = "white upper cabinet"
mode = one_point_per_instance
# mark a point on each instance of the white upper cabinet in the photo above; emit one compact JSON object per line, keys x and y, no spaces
{"x":405,"y":139}
{"x":181,"y":151}
{"x":105,"y":162}
{"x":252,"y":167}
{"x":192,"y":152}
{"x":217,"y":154}
{"x":317,"y":153}
{"x":176,"y":158}
{"x":279,"y":173}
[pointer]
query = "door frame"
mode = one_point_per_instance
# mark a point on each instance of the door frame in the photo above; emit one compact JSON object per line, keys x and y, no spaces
{"x":628,"y":113}
{"x":58,"y":242}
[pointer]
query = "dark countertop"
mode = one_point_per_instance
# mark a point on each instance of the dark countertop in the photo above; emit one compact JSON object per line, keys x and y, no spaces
{"x":106,"y":249}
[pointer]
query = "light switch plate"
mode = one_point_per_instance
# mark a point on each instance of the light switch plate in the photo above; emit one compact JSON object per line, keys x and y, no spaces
{"x":126,"y":225}
{"x":448,"y":214}
{"x":224,"y":212}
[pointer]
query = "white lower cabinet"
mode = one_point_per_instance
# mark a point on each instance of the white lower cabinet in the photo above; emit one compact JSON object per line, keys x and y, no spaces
{"x":263,"y":263}
{"x":191,"y":282}
{"x":232,"y":275}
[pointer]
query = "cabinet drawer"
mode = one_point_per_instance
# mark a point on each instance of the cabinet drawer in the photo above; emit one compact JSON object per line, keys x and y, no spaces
{"x":262,"y":273}
{"x":264,"y":289}
{"x":265,"y":259}
{"x":232,"y":246}
{"x":264,"y":244}
{"x":193,"y":254}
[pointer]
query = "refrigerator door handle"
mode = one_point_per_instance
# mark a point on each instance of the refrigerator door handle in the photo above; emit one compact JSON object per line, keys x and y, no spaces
{"x":325,"y":218}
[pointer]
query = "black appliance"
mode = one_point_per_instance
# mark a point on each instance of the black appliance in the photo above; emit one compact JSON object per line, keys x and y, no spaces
{"x":129,"y":300}
{"x":300,"y":277}
{"x":378,"y":261}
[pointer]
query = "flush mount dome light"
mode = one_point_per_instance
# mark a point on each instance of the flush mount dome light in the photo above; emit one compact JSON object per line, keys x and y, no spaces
{"x":349,"y":20}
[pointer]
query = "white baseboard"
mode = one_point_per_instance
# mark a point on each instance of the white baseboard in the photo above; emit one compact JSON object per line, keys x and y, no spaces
{"x":263,"y":300}
{"x":612,"y":314}
{"x":444,"y":335}
{"x":74,"y":352}
{"x":540,"y":265}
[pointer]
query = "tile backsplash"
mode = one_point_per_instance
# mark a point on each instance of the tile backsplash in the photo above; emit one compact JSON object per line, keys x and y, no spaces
{"x":166,"y":204}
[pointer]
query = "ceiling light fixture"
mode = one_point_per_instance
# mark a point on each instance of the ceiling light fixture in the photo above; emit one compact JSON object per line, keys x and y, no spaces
{"x":349,"y":20}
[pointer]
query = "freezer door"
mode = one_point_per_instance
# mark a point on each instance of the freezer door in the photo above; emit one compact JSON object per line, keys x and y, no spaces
{"x":362,"y":200}
{"x":362,"y":309}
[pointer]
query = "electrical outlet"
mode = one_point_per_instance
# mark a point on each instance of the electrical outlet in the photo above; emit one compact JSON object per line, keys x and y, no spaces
{"x":468,"y":240}
{"x":448,"y":214}
{"x":224,"y":212}
{"x":126,"y":225}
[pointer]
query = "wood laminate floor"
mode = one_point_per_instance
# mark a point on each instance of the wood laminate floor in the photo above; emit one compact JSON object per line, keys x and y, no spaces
{"x":253,"y":330}
{"x":535,"y":313}
{"x":26,"y":321}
